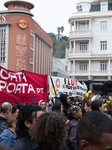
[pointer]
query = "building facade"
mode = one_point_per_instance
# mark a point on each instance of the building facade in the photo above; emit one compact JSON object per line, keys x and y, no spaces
{"x":59,"y":67}
{"x":24,"y":45}
{"x":90,"y":45}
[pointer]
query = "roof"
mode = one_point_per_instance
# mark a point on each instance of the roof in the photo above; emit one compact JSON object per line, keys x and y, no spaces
{"x":6,"y":4}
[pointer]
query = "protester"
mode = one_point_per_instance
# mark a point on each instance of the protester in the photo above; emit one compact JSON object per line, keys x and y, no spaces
{"x":83,"y":104}
{"x":6,"y":109}
{"x":25,"y":120}
{"x":74,"y":114}
{"x":8,"y":136}
{"x":49,"y":132}
{"x":42,"y":104}
{"x":57,"y":107}
{"x":97,"y":105}
{"x":65,"y":100}
{"x":109,"y":110}
{"x":94,"y":131}
{"x":88,"y":105}
{"x":50,"y":104}
{"x":15,"y":109}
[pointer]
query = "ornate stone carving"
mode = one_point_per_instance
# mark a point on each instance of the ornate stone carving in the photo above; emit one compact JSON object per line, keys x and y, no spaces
{"x":21,"y":52}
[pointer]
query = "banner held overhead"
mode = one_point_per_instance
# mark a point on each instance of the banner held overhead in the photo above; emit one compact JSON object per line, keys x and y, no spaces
{"x":23,"y":87}
{"x":71,"y":87}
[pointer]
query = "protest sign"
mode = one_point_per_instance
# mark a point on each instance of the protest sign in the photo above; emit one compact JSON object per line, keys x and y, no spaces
{"x":22,"y":86}
{"x":71,"y":87}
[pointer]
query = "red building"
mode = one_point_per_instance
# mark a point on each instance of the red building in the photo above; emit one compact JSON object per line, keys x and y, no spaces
{"x":24,"y":45}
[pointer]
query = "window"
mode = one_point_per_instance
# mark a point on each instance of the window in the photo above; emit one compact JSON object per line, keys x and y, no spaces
{"x":23,"y":7}
{"x":83,"y":46}
{"x":15,"y":6}
{"x":2,"y":43}
{"x":103,"y":66}
{"x":27,"y":7}
{"x":31,"y":47}
{"x":32,"y":33}
{"x":103,"y":25}
{"x":83,"y":66}
{"x":31,"y":61}
{"x":19,"y":6}
{"x":83,"y":26}
{"x":103,"y":7}
{"x":103,"y":45}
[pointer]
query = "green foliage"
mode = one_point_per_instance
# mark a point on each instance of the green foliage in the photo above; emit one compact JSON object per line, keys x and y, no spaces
{"x":59,"y":46}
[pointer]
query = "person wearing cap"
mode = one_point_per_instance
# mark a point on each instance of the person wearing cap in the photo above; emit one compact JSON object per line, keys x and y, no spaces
{"x":74,"y":114}
{"x":42,"y":104}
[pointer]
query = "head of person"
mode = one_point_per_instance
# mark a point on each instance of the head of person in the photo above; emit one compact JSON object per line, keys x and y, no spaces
{"x":75,"y":111}
{"x":104,"y":99}
{"x":11,"y":121}
{"x":57,"y":107}
{"x":42,"y":104}
{"x":49,"y":131}
{"x":88,"y":105}
{"x":15,"y":109}
{"x":65,"y":100}
{"x":83,"y":104}
{"x":109,"y":109}
{"x":94,"y":131}
{"x":5,"y":110}
{"x":97,"y":105}
{"x":26,"y":118}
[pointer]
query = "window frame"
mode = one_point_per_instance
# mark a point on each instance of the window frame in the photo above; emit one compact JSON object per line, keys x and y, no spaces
{"x":103,"y":45}
{"x":103,"y":25}
{"x":3,"y":44}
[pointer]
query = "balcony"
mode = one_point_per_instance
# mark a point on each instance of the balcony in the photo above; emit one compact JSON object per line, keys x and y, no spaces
{"x":80,"y":34}
{"x":91,"y":73}
{"x":77,"y":53}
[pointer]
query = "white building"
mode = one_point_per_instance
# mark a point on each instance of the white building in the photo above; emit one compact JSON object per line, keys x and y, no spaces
{"x":90,"y":44}
{"x":59,"y":67}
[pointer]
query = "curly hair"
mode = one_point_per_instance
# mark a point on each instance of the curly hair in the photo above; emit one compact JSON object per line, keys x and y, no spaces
{"x":109,"y":108}
{"x":25,"y":113}
{"x":49,"y":131}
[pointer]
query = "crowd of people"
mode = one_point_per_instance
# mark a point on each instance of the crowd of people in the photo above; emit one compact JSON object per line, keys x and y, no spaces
{"x":62,"y":123}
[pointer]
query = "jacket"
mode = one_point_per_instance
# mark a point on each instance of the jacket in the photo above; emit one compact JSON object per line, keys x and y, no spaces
{"x":7,"y":138}
{"x":24,"y":143}
{"x":72,"y":142}
{"x":3,"y":124}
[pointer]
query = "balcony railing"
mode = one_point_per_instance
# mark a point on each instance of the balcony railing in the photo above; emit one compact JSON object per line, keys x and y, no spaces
{"x":102,"y":72}
{"x":80,"y":51}
{"x":80,"y":33}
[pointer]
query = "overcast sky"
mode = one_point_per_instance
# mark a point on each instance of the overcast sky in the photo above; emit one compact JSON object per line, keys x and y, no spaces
{"x":51,"y":14}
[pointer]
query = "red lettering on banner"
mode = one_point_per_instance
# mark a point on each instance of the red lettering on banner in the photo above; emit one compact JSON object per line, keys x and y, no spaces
{"x":69,"y":82}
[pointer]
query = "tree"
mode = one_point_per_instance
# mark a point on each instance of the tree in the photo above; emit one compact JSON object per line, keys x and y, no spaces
{"x":60,"y":29}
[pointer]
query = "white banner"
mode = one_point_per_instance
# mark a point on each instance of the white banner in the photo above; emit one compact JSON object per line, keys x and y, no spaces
{"x":71,"y":87}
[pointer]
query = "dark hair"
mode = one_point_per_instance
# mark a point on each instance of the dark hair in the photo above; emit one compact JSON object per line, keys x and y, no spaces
{"x":14,"y":108}
{"x":83,"y":104}
{"x":92,"y":125}
{"x":57,"y":107}
{"x":96,"y":104}
{"x":25,"y":113}
{"x":109,"y":108}
{"x":49,"y":131}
